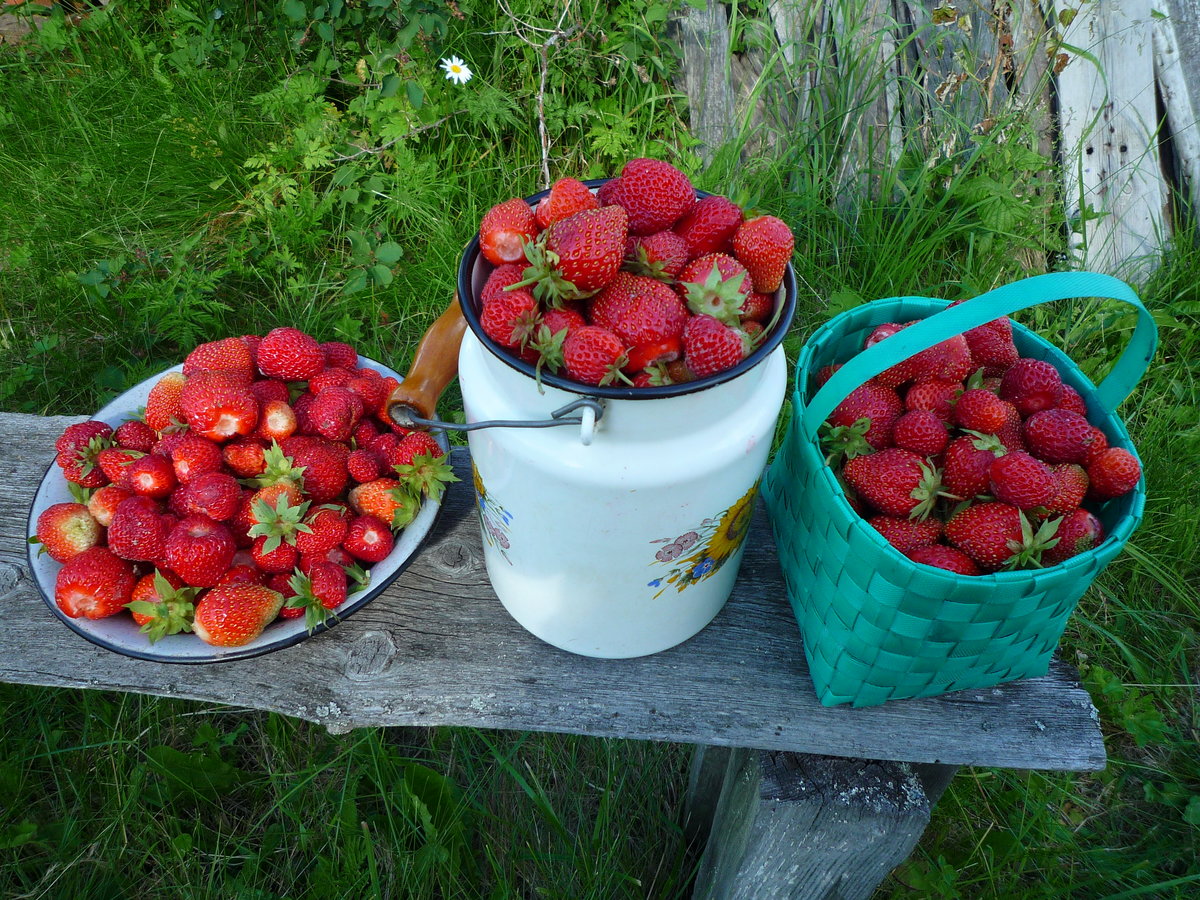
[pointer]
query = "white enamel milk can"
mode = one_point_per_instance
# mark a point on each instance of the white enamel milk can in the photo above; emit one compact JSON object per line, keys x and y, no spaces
{"x":613,"y":518}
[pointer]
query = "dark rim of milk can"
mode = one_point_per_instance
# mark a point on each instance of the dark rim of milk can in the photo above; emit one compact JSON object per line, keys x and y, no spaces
{"x":470,"y":308}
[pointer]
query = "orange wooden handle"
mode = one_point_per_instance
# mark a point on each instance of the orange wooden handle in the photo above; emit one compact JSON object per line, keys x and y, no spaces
{"x":434,"y":364}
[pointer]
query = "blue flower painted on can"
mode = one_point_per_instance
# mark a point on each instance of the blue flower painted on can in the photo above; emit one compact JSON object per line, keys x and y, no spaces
{"x":700,"y":553}
{"x":494,"y":519}
{"x":655,"y":583}
{"x":703,"y":568}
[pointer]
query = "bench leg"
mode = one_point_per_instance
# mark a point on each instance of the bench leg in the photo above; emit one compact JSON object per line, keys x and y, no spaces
{"x":802,"y":826}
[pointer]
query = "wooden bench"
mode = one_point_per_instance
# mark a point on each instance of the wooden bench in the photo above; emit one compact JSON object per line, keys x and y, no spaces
{"x":795,"y":799}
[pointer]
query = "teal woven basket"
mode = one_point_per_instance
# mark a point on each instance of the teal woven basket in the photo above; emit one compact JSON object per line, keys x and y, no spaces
{"x":877,"y":626}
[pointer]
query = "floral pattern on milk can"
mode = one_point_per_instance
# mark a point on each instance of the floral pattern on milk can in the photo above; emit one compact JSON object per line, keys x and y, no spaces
{"x":493,"y":517}
{"x":701,"y":552}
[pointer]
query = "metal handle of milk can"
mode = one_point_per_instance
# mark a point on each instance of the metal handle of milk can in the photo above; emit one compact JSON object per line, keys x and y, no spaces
{"x":591,"y":412}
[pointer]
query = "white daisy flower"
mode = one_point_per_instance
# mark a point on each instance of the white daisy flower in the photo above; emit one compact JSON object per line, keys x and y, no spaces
{"x":456,"y":70}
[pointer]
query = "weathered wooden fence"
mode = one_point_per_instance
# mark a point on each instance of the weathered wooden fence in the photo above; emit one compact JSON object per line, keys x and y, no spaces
{"x":1111,"y":87}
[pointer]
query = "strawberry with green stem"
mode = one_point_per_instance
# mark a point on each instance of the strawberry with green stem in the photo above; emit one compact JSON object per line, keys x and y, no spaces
{"x":162,"y":605}
{"x":576,"y":256}
{"x":319,"y":592}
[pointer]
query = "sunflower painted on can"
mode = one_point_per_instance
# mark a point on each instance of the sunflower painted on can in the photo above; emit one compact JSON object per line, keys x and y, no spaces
{"x":701,"y":552}
{"x":493,"y":518}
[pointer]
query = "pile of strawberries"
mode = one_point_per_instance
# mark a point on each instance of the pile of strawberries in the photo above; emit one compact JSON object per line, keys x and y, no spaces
{"x":639,"y":283}
{"x":971,"y":458}
{"x":258,"y":483}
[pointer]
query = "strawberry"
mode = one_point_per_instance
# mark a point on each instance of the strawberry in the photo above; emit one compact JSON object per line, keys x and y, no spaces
{"x":282,"y":557}
{"x":364,"y":432}
{"x":327,"y":527}
{"x":276,"y":420}
{"x":1031,"y":385}
{"x":1097,"y":444}
{"x":943,"y":557}
{"x":500,"y":278}
{"x":1113,"y":472}
{"x":1078,"y":532}
{"x":233,"y":615}
{"x":162,"y":404}
{"x":94,"y":584}
{"x":1021,"y":480}
{"x":511,"y":318}
{"x":654,"y":193}
{"x":576,"y":256}
{"x":566,"y":197}
{"x":661,"y":255}
{"x":135,"y":435}
{"x":317,"y":592}
{"x":324,"y":465}
{"x":642,"y":312}
{"x":505,"y":230}
{"x":980,"y":410}
{"x":151,"y":476}
{"x":275,"y":524}
{"x":245,"y":457}
{"x":104,"y":502}
{"x":709,"y":226}
{"x":937,"y":396}
{"x":199,"y":550}
{"x":339,"y":355}
{"x":78,"y":450}
{"x":991,"y":345}
{"x":289,"y":355}
{"x":370,"y":386}
{"x":81,"y":470}
{"x":218,"y":407}
{"x":162,"y":604}
{"x":715,"y":285}
{"x":229,"y":355}
{"x":193,"y":456}
{"x":907,"y":534}
{"x":920,"y":431}
{"x":65,"y":530}
{"x":948,"y":361}
{"x":880,"y":406}
{"x":419,"y":443}
{"x":368,"y":539}
{"x":214,"y":494}
{"x":336,"y":555}
{"x":1057,"y":435}
{"x":364,"y":465}
{"x":388,"y":500}
{"x":114,"y":462}
{"x":764,"y":246}
{"x":710,"y":346}
{"x":756,"y":308}
{"x":565,"y":319}
{"x":334,"y":413}
{"x":1071,"y":400}
{"x":243,"y":573}
{"x":267,"y":389}
{"x":593,"y":355}
{"x":139,"y":530}
{"x":329,"y":378}
{"x":1070,"y":487}
{"x":82,"y":435}
{"x":896,"y":482}
{"x":427,"y":475}
{"x":997,"y":535}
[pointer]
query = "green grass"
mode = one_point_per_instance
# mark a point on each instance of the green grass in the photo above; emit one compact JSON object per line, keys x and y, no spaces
{"x":172,"y":177}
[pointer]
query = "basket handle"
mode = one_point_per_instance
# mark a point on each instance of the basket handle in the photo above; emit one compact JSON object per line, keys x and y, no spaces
{"x":1001,"y":301}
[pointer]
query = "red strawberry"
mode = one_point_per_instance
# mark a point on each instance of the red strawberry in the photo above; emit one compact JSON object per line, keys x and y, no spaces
{"x":764,"y":246}
{"x":948,"y":361}
{"x":1078,"y":532}
{"x":276,"y":420}
{"x":243,"y":573}
{"x":81,"y":471}
{"x":289,"y":355}
{"x":162,"y":605}
{"x":80,"y":436}
{"x":716,"y":285}
{"x":267,"y":389}
{"x":993,"y":535}
{"x":315,"y":593}
{"x":364,"y":432}
{"x":387,"y":500}
{"x":339,"y":355}
{"x":1021,"y":480}
{"x":326,"y":529}
{"x":757,"y":308}
{"x":654,"y":193}
{"x":79,"y":448}
{"x":566,"y":197}
{"x":1113,"y":472}
{"x":505,"y":230}
{"x":896,"y":482}
{"x":980,"y":410}
{"x":1070,"y":487}
{"x":879,"y":405}
{"x":325,"y":475}
{"x":229,"y":355}
{"x":334,"y":413}
{"x":213,"y":494}
{"x":162,"y":404}
{"x":577,"y":256}
{"x":67,"y":529}
{"x":218,"y":407}
{"x":936,"y":396}
{"x":370,"y":386}
{"x":151,"y":476}
{"x":94,"y":584}
{"x":282,"y":557}
{"x":364,"y":465}
{"x":114,"y":462}
{"x":233,"y":615}
{"x":907,"y":534}
{"x":245,"y":457}
{"x":593,"y":355}
{"x":1057,"y":435}
{"x":193,"y":456}
{"x":419,"y":443}
{"x":199,"y":550}
{"x":500,"y":278}
{"x":709,"y":226}
{"x":920,"y":431}
{"x":565,"y":319}
{"x":1071,"y":400}
{"x":329,"y":378}
{"x":943,"y":557}
{"x":368,"y":539}
{"x":991,"y":345}
{"x":661,"y":255}
{"x":1031,"y":385}
{"x":642,"y":312}
{"x":511,"y":318}
{"x":139,"y":530}
{"x":104,"y":502}
{"x":1097,"y":444}
{"x":135,"y":435}
{"x":710,"y":346}
{"x":336,"y":555}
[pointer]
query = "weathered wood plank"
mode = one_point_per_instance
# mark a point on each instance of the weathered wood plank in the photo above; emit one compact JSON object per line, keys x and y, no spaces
{"x":707,"y":81}
{"x":1109,"y":123}
{"x":1177,"y":67}
{"x":437,"y":648}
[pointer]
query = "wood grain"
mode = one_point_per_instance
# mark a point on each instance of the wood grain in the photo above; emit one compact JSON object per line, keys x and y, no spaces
{"x":437,"y":648}
{"x":1177,"y":67}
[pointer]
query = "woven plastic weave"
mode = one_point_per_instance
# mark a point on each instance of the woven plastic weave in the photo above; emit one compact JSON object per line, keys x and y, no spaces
{"x":877,"y":626}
